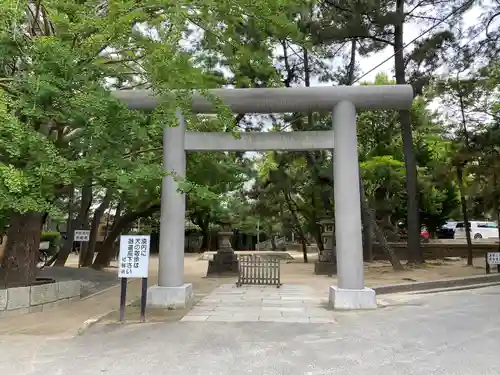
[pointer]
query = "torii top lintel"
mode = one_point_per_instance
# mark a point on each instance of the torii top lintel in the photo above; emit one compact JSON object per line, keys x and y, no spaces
{"x":280,"y":100}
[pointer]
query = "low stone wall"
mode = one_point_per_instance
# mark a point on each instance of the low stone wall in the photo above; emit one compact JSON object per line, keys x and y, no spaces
{"x":283,"y":255}
{"x":298,"y":247}
{"x":437,"y":250}
{"x":24,"y":300}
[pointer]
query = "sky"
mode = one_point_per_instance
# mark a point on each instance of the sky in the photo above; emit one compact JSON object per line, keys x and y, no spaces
{"x":366,"y":64}
{"x":385,"y":59}
{"x":411,"y":32}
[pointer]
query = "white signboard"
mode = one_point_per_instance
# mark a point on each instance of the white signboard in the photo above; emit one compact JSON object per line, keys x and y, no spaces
{"x":493,"y":258}
{"x":44,"y":245}
{"x":82,"y":235}
{"x":134,"y":256}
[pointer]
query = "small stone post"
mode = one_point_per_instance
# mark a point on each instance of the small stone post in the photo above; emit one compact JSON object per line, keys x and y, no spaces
{"x":327,"y":260}
{"x":225,"y":262}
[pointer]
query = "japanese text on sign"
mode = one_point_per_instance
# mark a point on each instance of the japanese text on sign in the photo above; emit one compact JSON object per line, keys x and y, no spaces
{"x":82,"y":235}
{"x":134,"y":256}
{"x":493,"y":258}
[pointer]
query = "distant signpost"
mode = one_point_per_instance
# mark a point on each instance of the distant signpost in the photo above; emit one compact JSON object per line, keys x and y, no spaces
{"x":492,"y":259}
{"x":133,"y":263}
{"x":82,"y":235}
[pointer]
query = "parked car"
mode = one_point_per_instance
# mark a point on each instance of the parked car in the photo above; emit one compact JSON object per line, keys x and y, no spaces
{"x":478,"y":230}
{"x":447,"y":231}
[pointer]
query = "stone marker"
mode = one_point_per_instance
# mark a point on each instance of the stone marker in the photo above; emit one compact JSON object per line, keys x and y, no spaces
{"x":225,"y":262}
{"x":327,"y":259}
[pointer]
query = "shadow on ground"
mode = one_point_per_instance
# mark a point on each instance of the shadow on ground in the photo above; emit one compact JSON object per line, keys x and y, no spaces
{"x":132,"y":312}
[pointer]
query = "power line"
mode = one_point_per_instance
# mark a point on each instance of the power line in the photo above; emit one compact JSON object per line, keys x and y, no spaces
{"x":415,"y":39}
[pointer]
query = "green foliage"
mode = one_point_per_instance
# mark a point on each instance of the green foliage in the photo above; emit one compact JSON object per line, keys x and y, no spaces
{"x":54,"y":239}
{"x":384,"y":179}
{"x":382,"y":163}
{"x":61,"y":130}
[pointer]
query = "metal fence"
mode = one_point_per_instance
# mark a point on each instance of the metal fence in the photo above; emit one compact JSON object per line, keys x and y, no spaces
{"x":257,"y":270}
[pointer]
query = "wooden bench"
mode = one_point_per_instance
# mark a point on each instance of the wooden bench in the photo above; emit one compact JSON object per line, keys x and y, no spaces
{"x":257,"y":270}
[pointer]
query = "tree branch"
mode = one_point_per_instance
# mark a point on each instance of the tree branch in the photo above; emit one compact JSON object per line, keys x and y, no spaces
{"x":72,"y":134}
{"x":488,"y":24}
{"x":416,"y":7}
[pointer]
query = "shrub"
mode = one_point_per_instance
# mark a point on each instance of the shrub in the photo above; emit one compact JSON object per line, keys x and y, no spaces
{"x":54,"y":239}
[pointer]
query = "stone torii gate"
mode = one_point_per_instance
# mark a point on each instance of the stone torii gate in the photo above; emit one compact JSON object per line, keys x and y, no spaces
{"x":350,"y":293}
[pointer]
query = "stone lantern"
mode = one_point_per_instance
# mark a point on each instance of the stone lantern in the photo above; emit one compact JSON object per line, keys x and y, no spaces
{"x":327,"y":259}
{"x":225,"y":261}
{"x":224,"y":238}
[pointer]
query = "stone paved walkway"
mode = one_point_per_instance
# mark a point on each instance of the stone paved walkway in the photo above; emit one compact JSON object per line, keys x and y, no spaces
{"x":453,"y":333}
{"x":287,"y":304}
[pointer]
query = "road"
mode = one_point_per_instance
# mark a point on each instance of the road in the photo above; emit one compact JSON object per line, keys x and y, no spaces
{"x":446,"y":333}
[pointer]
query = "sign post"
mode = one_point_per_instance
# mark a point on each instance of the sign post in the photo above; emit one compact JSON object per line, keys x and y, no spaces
{"x":133,"y":263}
{"x":81,"y":235}
{"x":491,"y":260}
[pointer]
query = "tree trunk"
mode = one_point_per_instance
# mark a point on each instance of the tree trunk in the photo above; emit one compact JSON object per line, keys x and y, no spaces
{"x":460,"y":178}
{"x":205,"y":238}
{"x":432,"y":230}
{"x":496,"y":205}
{"x":352,"y":63}
{"x":365,"y":215}
{"x":304,"y":248}
{"x":83,"y":217}
{"x":119,"y":208}
{"x":313,"y":219}
{"x":300,"y":232}
{"x":21,"y":249}
{"x":94,"y":229}
{"x":63,"y":253}
{"x":319,"y":238}
{"x":465,"y":216}
{"x":106,"y":250}
{"x":45,"y":216}
{"x":273,"y":243}
{"x":498,"y":224}
{"x":379,"y":235}
{"x":311,"y":159}
{"x":367,"y":238}
{"x":366,"y":223}
{"x":202,"y":220}
{"x":415,"y":254}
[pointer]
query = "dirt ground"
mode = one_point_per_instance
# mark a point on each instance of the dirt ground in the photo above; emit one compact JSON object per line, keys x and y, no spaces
{"x":66,"y":320}
{"x":296,"y":272}
{"x":376,"y":273}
